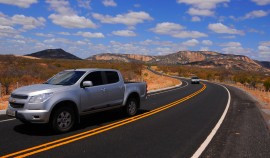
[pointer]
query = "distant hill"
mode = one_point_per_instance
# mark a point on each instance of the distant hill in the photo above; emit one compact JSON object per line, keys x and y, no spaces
{"x":264,"y":64}
{"x":206,"y":59}
{"x":54,"y":54}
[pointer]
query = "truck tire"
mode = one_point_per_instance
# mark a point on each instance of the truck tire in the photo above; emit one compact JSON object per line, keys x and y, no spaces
{"x":131,"y":107}
{"x":63,"y":119}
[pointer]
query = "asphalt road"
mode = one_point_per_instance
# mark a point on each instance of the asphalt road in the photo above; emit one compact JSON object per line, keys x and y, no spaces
{"x":243,"y":133}
{"x":172,"y":123}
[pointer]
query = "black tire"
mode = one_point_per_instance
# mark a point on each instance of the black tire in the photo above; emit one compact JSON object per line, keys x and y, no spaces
{"x":131,"y":107}
{"x":63,"y":119}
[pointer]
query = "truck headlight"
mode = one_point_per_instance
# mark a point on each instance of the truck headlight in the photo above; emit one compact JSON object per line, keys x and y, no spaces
{"x":40,"y":98}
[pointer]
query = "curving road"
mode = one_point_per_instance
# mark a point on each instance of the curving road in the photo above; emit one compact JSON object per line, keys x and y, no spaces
{"x":171,"y":123}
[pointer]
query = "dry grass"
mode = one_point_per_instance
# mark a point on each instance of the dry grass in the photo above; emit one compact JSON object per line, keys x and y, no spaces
{"x":153,"y":82}
{"x":4,"y":102}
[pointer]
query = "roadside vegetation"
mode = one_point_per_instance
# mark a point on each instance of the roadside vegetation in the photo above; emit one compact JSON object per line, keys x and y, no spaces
{"x":18,"y":71}
{"x":256,"y":83}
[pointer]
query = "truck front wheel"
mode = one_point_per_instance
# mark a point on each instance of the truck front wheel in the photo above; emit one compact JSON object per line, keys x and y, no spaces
{"x":63,"y":119}
{"x":131,"y":107}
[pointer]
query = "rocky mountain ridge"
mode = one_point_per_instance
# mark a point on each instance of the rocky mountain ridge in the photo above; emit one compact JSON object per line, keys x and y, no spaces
{"x":207,"y":59}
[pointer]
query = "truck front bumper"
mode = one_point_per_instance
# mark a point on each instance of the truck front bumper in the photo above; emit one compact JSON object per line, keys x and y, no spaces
{"x":31,"y":116}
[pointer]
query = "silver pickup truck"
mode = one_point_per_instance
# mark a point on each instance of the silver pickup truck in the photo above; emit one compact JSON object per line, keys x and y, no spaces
{"x":71,"y":93}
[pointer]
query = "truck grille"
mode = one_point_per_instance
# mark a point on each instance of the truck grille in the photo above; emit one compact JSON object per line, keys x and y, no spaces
{"x":16,"y":105}
{"x":16,"y":96}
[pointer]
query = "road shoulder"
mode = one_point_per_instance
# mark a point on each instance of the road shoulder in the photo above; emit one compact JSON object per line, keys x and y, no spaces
{"x":243,"y":133}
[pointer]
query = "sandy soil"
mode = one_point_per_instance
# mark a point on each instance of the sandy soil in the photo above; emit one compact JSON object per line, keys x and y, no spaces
{"x":153,"y":82}
{"x":157,"y":82}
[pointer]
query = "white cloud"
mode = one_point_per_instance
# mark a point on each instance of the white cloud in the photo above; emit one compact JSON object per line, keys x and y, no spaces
{"x":72,"y":21}
{"x":84,"y":4}
{"x":204,"y":49}
{"x":176,"y":30}
{"x":261,"y":2}
{"x":64,"y":33}
{"x":58,"y":40}
{"x":7,"y":31}
{"x":44,"y":35}
{"x":189,"y":34}
{"x":125,"y":33}
{"x":231,"y":44}
{"x":164,"y":50}
{"x":109,"y":3}
{"x":265,"y":43}
{"x":203,"y":4}
{"x":18,"y":36}
{"x":61,"y":7}
{"x":191,"y":43}
{"x":130,"y":19}
{"x":90,"y":34}
{"x":28,"y":22}
{"x":196,"y":19}
{"x":81,"y":42}
{"x":221,"y":28}
{"x":167,"y":28}
{"x":264,"y":52}
{"x":202,"y":7}
{"x":19,"y":3}
{"x":67,"y":17}
{"x":228,"y":37}
{"x":200,"y":12}
{"x":255,"y":14}
{"x":234,"y":50}
{"x":207,"y":42}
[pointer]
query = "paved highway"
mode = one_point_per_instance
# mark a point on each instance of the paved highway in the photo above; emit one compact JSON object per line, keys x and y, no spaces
{"x":172,"y":123}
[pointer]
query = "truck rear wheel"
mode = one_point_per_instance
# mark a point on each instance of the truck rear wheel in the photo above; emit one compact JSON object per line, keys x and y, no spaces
{"x":63,"y":119}
{"x":131,"y":107}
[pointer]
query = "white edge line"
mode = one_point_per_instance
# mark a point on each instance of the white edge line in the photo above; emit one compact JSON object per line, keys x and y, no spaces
{"x":215,"y":129}
{"x":7,"y":120}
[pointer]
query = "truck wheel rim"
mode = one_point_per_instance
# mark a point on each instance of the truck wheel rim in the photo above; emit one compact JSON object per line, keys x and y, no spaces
{"x":132,"y":108}
{"x":64,"y":120}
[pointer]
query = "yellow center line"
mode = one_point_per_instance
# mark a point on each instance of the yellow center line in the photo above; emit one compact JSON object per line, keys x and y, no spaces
{"x":70,"y":139}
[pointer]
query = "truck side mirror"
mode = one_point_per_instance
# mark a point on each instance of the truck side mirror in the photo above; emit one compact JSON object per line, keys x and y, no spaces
{"x":87,"y":84}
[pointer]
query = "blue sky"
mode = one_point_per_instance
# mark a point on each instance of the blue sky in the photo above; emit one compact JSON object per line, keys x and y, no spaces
{"x":148,"y":27}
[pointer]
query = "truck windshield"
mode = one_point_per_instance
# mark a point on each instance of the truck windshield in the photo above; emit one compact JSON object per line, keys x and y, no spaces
{"x":65,"y":78}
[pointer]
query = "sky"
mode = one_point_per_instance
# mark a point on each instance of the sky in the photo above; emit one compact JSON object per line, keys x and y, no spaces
{"x":148,"y":27}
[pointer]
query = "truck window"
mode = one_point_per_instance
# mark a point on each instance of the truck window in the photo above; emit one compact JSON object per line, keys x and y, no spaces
{"x":95,"y":77}
{"x":112,"y":76}
{"x":65,"y":78}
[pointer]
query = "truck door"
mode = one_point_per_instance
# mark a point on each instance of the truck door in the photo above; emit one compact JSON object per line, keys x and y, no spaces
{"x":115,"y":89}
{"x":93,"y":98}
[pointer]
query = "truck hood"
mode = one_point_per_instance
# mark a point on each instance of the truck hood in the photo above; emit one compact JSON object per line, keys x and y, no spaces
{"x":38,"y":89}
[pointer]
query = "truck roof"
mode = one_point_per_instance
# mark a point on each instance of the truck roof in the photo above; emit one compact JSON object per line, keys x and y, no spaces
{"x":91,"y":69}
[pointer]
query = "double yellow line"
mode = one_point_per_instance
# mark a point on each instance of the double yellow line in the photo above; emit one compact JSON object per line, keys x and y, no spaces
{"x":70,"y":139}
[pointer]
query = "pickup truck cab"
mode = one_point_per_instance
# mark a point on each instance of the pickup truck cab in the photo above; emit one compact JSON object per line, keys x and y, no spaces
{"x":65,"y":97}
